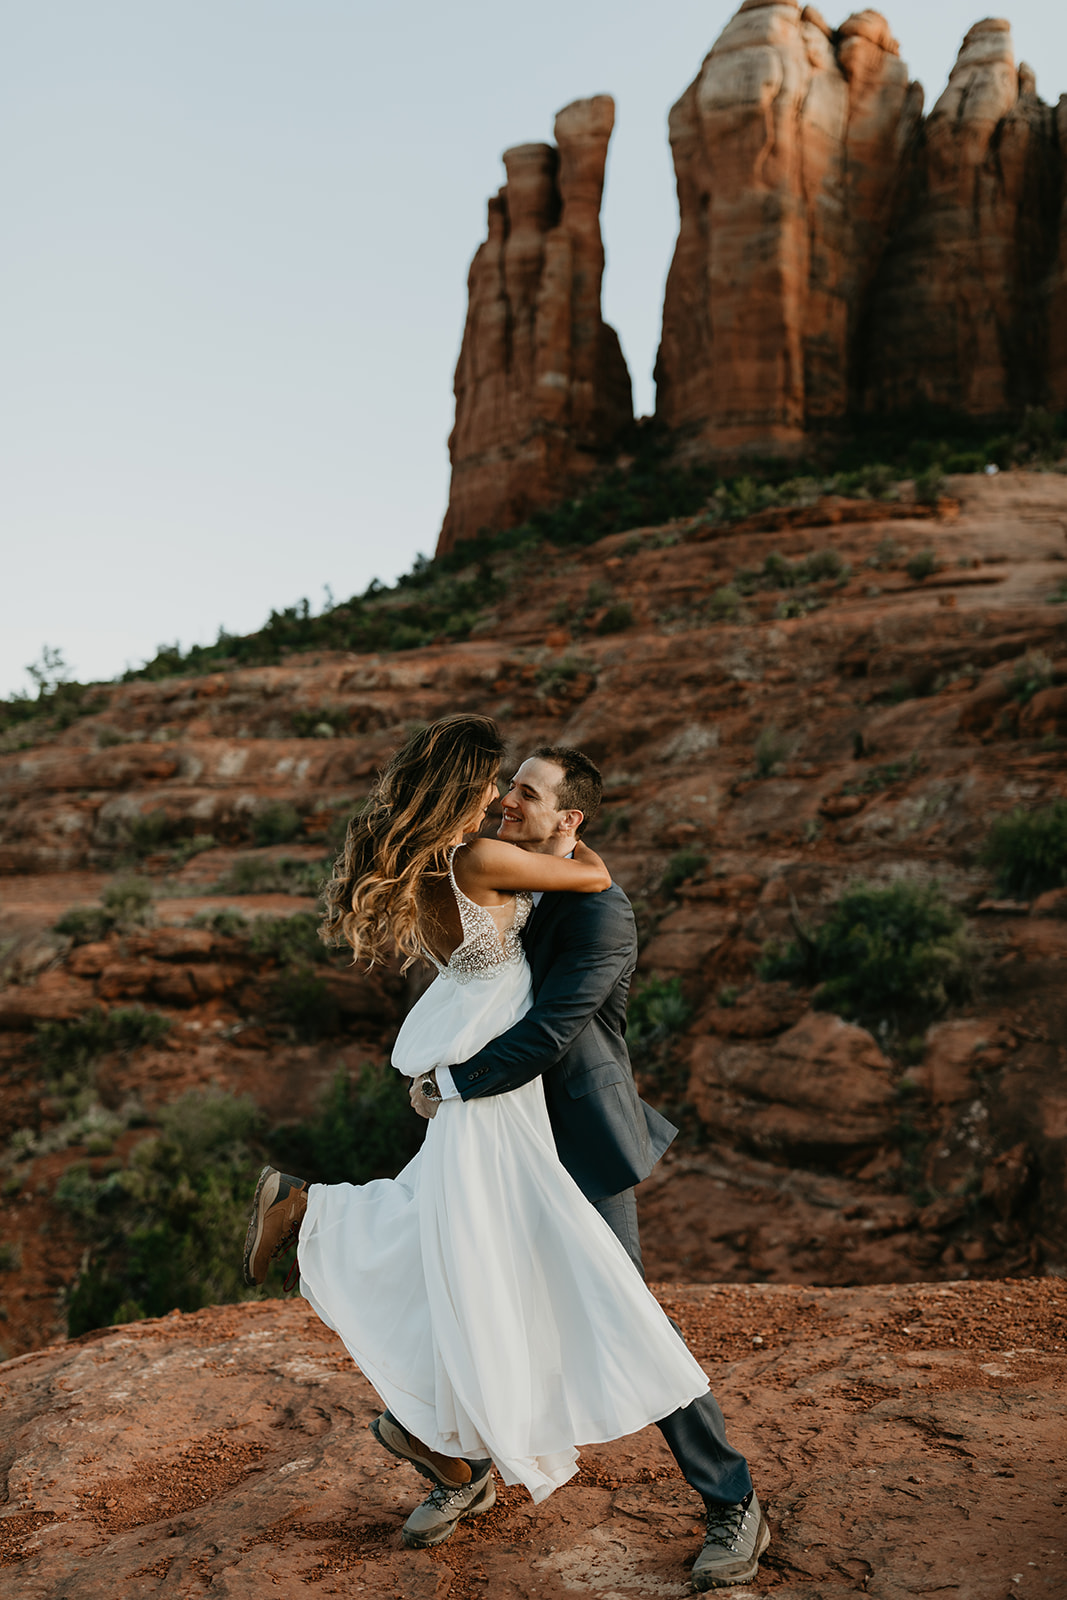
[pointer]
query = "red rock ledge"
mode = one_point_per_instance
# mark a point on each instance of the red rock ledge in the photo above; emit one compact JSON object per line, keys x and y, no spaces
{"x":905,"y":1441}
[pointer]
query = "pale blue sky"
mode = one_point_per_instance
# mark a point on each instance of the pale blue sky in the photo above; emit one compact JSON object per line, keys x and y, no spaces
{"x":233,"y":278}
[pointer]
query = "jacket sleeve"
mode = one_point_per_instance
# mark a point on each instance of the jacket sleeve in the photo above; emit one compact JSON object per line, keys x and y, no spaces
{"x":595,"y":948}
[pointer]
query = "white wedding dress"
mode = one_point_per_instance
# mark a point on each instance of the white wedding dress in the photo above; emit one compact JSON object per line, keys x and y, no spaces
{"x":486,"y":1300}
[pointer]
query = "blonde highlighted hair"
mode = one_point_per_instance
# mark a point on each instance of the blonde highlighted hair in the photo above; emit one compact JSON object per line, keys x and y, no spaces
{"x":398,"y":844}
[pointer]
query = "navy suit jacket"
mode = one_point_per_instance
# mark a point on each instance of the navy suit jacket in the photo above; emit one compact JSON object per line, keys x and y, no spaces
{"x":582,"y":949}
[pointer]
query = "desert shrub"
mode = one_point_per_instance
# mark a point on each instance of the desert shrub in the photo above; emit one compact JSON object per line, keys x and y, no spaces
{"x":877,"y":480}
{"x":231,"y":924}
{"x":165,"y":1231}
{"x":616,"y":618}
{"x":897,"y":950}
{"x":288,"y":940}
{"x":186,"y":849}
{"x":681,"y":866}
{"x":772,"y":748}
{"x":67,"y":1051}
{"x":125,"y":904}
{"x":921,"y":566}
{"x":797,"y":605}
{"x":965,"y":461}
{"x":822,"y":566}
{"x":725,"y":604}
{"x":930,"y":485}
{"x":364,"y":1128}
{"x":886,"y":552}
{"x":128,"y":901}
{"x":261,"y":875}
{"x":557,"y":676}
{"x":276,"y":823}
{"x":1028,"y":849}
{"x":322,"y":723}
{"x":884,"y":776}
{"x":1030,"y":674}
{"x":302,"y":999}
{"x":657,"y":1009}
{"x":85,"y":924}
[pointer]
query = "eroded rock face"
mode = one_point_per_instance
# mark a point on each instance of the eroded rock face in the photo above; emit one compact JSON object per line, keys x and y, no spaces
{"x":959,"y":318}
{"x":837,"y":254}
{"x":787,"y":154}
{"x":542,"y":388}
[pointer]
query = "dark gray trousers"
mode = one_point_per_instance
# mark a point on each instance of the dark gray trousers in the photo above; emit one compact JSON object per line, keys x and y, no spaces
{"x":697,"y":1433}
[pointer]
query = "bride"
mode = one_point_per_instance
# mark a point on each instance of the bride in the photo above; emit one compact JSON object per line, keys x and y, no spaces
{"x":492,"y":1308}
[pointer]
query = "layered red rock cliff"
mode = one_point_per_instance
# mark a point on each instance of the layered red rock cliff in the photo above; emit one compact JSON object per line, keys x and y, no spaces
{"x":787,"y":152}
{"x":542,"y":388}
{"x":837,"y":256}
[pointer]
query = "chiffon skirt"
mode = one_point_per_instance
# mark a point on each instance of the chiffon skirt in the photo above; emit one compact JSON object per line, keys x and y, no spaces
{"x":486,"y":1300}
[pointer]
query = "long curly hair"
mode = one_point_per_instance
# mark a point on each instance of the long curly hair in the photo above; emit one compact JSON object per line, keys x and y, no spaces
{"x":398,"y":844}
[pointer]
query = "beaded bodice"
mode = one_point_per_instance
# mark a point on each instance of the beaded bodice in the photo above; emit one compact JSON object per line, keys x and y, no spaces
{"x":490,"y":935}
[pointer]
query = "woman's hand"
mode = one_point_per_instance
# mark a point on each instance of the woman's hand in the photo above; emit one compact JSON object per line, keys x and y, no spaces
{"x":426,"y":1105}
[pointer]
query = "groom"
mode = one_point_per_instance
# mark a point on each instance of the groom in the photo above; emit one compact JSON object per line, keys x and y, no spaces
{"x":582,"y":950}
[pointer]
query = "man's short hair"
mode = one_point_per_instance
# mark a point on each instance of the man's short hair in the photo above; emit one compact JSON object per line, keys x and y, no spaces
{"x":582,"y":786}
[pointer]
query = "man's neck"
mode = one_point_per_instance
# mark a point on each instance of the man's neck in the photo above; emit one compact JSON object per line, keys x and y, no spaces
{"x":557,"y":845}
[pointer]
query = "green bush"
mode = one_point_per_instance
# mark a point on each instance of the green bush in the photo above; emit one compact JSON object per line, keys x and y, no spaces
{"x":67,"y":1051}
{"x":229,"y":923}
{"x":681,"y":866}
{"x":924,"y":565}
{"x":881,"y":952}
{"x":288,"y":940}
{"x":364,"y":1128}
{"x":616,"y":618}
{"x":262,"y":875}
{"x":166,"y":1231}
{"x":186,"y":849}
{"x":877,"y":480}
{"x":323,"y":723}
{"x":125,"y":904}
{"x":85,"y":924}
{"x":1028,"y":850}
{"x":1030,"y":674}
{"x":276,"y":823}
{"x":725,"y":604}
{"x":930,"y":485}
{"x":772,"y":748}
{"x":656,"y":1009}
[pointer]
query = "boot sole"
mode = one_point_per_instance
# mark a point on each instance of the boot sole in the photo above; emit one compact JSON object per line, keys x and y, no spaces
{"x":485,"y":1502}
{"x":413,"y":1461}
{"x":724,"y":1578}
{"x":255,"y":1230}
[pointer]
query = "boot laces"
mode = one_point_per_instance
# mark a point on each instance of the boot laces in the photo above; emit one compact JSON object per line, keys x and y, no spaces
{"x":725,"y":1522}
{"x":445,"y":1499}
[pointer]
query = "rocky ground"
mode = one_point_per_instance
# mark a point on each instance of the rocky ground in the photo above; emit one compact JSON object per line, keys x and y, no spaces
{"x":780,"y":742}
{"x":905,"y":1440}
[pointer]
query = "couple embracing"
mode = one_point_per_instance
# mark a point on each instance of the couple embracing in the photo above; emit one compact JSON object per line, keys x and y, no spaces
{"x":493,"y":1292}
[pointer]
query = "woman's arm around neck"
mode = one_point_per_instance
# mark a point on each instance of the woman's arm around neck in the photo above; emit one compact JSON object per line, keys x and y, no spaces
{"x":492,"y":866}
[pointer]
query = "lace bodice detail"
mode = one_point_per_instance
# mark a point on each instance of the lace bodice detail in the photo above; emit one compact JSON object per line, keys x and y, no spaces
{"x":490,"y":935}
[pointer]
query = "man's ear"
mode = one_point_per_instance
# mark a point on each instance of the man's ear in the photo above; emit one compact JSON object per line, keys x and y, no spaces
{"x":570,"y":821}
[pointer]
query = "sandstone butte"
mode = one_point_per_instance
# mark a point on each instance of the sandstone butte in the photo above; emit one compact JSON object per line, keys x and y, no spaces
{"x":906,"y":1441}
{"x":838,"y":255}
{"x":542,"y":388}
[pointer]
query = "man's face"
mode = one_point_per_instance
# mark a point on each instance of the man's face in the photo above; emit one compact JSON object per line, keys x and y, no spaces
{"x":530,"y":813}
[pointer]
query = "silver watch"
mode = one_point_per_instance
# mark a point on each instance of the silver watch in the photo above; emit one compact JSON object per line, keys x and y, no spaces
{"x":429,"y":1090}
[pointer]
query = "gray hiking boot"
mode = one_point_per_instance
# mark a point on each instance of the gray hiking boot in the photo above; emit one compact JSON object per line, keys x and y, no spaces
{"x":433,"y":1521}
{"x":736,"y":1537}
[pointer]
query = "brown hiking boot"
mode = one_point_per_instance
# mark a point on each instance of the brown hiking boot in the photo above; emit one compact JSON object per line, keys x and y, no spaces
{"x":451,"y":1472}
{"x":277,"y":1212}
